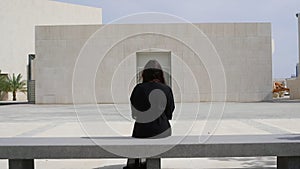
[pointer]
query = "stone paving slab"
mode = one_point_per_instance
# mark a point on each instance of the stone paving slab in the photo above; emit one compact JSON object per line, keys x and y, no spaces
{"x":187,"y":111}
{"x":238,"y":118}
{"x":203,"y":163}
{"x":289,"y":125}
{"x":74,"y":129}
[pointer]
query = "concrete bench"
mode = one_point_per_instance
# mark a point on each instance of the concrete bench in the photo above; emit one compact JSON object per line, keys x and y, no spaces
{"x":21,"y":152}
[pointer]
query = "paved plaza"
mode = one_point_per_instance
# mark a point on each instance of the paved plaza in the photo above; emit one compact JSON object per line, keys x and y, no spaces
{"x":27,"y":120}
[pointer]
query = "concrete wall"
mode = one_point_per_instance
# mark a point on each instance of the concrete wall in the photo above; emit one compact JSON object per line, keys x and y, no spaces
{"x":297,"y":69}
{"x":294,"y":86}
{"x":298,"y":16}
{"x":18,"y":21}
{"x":244,"y":50}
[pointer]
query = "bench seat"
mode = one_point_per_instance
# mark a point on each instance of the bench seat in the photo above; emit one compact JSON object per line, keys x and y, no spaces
{"x":21,"y":152}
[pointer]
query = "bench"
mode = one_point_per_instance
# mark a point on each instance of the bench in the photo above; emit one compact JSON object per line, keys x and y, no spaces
{"x":21,"y":152}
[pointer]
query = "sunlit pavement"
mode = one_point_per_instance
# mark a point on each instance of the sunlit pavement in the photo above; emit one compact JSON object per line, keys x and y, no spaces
{"x":26,"y":120}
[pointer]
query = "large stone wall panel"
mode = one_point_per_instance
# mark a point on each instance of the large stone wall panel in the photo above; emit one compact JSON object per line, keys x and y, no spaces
{"x":244,"y":50}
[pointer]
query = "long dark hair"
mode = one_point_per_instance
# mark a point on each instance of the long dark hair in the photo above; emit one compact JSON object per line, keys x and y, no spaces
{"x":153,"y":72}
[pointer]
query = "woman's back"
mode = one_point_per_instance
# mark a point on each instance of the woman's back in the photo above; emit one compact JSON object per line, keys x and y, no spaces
{"x":152,"y":107}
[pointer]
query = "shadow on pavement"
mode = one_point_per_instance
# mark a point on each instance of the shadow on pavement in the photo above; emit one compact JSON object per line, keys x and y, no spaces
{"x":121,"y":166}
{"x":253,"y":163}
{"x":248,"y":163}
{"x":112,"y":167}
{"x":5,"y":103}
{"x":297,"y":137}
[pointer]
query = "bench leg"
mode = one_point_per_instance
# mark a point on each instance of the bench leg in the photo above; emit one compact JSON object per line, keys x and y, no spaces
{"x":20,"y":164}
{"x":153,"y":163}
{"x":288,"y":162}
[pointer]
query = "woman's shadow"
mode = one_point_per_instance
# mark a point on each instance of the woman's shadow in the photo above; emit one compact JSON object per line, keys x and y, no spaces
{"x":120,"y":166}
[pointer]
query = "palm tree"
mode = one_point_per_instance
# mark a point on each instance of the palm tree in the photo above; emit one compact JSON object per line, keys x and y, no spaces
{"x":15,"y":84}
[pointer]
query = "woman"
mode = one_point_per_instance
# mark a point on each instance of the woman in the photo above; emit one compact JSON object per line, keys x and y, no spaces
{"x":152,"y":106}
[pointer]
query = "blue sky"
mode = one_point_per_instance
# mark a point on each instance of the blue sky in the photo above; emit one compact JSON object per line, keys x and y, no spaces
{"x":281,"y":13}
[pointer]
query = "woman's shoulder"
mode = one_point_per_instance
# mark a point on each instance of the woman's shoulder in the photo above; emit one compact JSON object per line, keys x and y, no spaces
{"x":154,"y":85}
{"x":138,"y":86}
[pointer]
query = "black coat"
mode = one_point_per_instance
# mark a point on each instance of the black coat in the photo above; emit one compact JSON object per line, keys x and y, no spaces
{"x":152,"y":120}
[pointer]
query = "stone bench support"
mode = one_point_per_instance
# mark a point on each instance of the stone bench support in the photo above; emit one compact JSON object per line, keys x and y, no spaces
{"x":288,"y":162}
{"x":21,"y":164}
